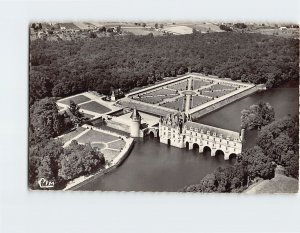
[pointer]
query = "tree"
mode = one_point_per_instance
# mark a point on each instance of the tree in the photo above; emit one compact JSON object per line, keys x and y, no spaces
{"x":290,"y":161}
{"x":256,"y":163}
{"x":45,"y":122}
{"x":279,"y":140}
{"x":39,"y":86}
{"x":144,"y":24}
{"x":79,"y":160}
{"x":257,"y":115}
{"x":77,"y":117}
{"x":156,"y":26}
{"x":93,"y":35}
{"x":252,"y":58}
{"x":44,"y":160}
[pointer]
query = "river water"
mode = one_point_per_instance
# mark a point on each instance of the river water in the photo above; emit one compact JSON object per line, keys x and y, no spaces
{"x":152,"y":166}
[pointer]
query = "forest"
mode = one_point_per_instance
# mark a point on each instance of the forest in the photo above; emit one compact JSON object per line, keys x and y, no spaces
{"x":62,"y":68}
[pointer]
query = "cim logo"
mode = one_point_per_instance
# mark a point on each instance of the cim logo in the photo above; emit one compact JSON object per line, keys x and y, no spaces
{"x":43,"y":183}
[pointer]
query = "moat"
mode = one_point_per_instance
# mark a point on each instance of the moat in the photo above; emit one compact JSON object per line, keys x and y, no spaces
{"x":152,"y":166}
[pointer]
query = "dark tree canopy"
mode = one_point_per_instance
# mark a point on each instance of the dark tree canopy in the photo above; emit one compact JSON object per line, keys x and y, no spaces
{"x":257,"y":115}
{"x":79,"y":160}
{"x":49,"y":160}
{"x":129,"y":61}
{"x":280,"y":137}
{"x":45,"y":121}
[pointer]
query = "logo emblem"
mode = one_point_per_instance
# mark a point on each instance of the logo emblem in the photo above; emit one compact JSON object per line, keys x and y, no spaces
{"x":43,"y":183}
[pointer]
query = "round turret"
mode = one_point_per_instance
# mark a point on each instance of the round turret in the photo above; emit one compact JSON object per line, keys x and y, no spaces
{"x":135,"y":123}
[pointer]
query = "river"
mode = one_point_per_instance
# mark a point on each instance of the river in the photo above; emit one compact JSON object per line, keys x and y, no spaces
{"x":152,"y":166}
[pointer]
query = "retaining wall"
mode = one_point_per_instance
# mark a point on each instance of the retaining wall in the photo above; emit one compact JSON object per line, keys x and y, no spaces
{"x":225,"y":102}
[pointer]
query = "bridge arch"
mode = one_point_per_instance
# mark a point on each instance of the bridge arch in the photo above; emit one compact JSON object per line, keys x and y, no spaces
{"x":220,"y":154}
{"x":196,"y":146}
{"x":207,"y":150}
{"x":187,"y":145}
{"x":232,"y":156}
{"x":153,"y":132}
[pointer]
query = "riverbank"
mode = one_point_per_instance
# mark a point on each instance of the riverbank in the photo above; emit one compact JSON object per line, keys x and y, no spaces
{"x":76,"y":183}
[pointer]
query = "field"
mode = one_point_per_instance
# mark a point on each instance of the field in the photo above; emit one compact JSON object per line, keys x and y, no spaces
{"x":95,"y":107}
{"x":140,"y":31}
{"x":96,"y":136}
{"x":77,"y":99}
{"x":181,"y":29}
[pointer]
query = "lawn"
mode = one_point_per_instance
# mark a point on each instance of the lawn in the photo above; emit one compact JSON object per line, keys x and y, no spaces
{"x":117,"y":144}
{"x":99,"y":145}
{"x":72,"y":134}
{"x":176,"y":104}
{"x":95,"y":107}
{"x":180,"y":86}
{"x":109,"y":155}
{"x":77,"y":99}
{"x":96,"y":136}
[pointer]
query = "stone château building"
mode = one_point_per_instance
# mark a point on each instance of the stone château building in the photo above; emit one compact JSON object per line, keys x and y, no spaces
{"x":180,"y":131}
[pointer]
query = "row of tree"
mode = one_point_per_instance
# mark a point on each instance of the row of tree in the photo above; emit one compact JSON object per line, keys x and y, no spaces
{"x":61,"y":68}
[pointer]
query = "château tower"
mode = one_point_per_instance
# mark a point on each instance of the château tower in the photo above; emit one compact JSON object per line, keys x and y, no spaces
{"x":135,"y":123}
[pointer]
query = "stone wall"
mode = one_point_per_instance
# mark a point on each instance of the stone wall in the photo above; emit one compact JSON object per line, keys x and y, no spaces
{"x":224,"y":102}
